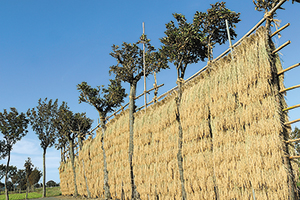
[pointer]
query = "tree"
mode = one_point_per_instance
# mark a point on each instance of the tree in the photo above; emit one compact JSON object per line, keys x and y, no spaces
{"x":187,"y":43}
{"x":130,"y":69}
{"x":266,"y":6}
{"x":11,"y":170}
{"x":295,"y":134}
{"x":51,"y":183}
{"x":13,"y":127}
{"x":19,"y":179}
{"x":70,"y":125}
{"x":213,"y":25}
{"x":28,"y":170}
{"x":183,"y":45}
{"x":111,"y":97}
{"x":34,"y":177}
{"x":41,"y":119}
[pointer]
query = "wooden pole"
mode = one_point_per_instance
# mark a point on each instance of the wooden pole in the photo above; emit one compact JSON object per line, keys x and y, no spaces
{"x":292,"y":107}
{"x":282,"y":28}
{"x":292,"y":122}
{"x":281,"y":47}
{"x":290,"y":88}
{"x":229,"y":38}
{"x":295,"y":140}
{"x":294,"y":157}
{"x":144,"y":64}
{"x":287,"y":69}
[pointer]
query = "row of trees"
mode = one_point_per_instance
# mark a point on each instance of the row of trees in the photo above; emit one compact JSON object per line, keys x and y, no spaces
{"x":51,"y":123}
{"x":21,"y":179}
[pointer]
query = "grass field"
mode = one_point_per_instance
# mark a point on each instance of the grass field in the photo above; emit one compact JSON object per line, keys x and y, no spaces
{"x":50,"y":192}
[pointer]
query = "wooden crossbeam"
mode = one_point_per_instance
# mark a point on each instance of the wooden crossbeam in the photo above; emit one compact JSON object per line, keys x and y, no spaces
{"x":295,"y":140}
{"x":289,"y":68}
{"x":281,"y":47}
{"x":282,"y":28}
{"x":291,"y":122}
{"x":149,"y":90}
{"x":294,"y":157}
{"x":292,"y":107}
{"x":290,"y":88}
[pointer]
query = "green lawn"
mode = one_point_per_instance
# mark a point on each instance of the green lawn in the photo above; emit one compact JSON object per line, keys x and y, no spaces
{"x":50,"y":192}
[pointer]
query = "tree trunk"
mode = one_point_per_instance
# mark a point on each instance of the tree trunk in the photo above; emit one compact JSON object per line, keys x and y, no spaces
{"x":44,"y":172}
{"x":107,"y":194}
{"x":73,"y":165}
{"x":86,"y":183}
{"x":6,"y":173}
{"x":134,"y":192}
{"x":180,"y":140}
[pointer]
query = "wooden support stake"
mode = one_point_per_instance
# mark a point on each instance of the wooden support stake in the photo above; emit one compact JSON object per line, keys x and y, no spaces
{"x":287,"y":69}
{"x":294,"y":157}
{"x":281,"y":47}
{"x":292,"y":107}
{"x":295,"y":140}
{"x":291,"y":122}
{"x":290,"y":88}
{"x":282,"y":28}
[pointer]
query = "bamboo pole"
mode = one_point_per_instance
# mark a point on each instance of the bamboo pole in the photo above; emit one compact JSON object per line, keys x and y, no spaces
{"x":292,"y":107}
{"x":144,"y":66}
{"x":294,"y":157}
{"x":290,"y":88}
{"x":290,"y":141}
{"x":150,"y":90}
{"x":228,"y":34}
{"x":291,"y":122}
{"x":287,"y":69}
{"x":282,"y":28}
{"x":281,"y":47}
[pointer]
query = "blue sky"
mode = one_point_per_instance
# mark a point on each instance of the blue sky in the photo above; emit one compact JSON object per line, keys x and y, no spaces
{"x":47,"y":47}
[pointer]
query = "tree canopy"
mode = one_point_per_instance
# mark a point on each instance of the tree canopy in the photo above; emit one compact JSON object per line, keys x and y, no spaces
{"x":183,"y":44}
{"x":129,"y":58}
{"x":104,"y":100}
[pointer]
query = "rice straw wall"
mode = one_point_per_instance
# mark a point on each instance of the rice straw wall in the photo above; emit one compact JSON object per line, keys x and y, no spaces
{"x":233,"y":136}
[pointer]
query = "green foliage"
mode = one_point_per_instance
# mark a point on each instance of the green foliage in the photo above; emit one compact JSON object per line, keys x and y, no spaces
{"x":11,"y":170}
{"x":51,"y":183}
{"x":183,"y":44}
{"x":130,"y":61}
{"x":213,"y":25}
{"x":265,"y":5}
{"x":104,"y":100}
{"x":35,"y":176}
{"x":295,"y":134}
{"x":13,"y":127}
{"x":19,"y":178}
{"x":41,"y":119}
{"x":71,"y":125}
{"x":186,"y":43}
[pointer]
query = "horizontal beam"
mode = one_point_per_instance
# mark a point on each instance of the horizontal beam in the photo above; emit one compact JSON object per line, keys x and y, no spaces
{"x":281,"y":47}
{"x":149,"y":90}
{"x":282,"y":28}
{"x":291,"y":122}
{"x":294,"y":157}
{"x":295,"y":140}
{"x":290,"y":88}
{"x":289,"y":68}
{"x":292,"y":107}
